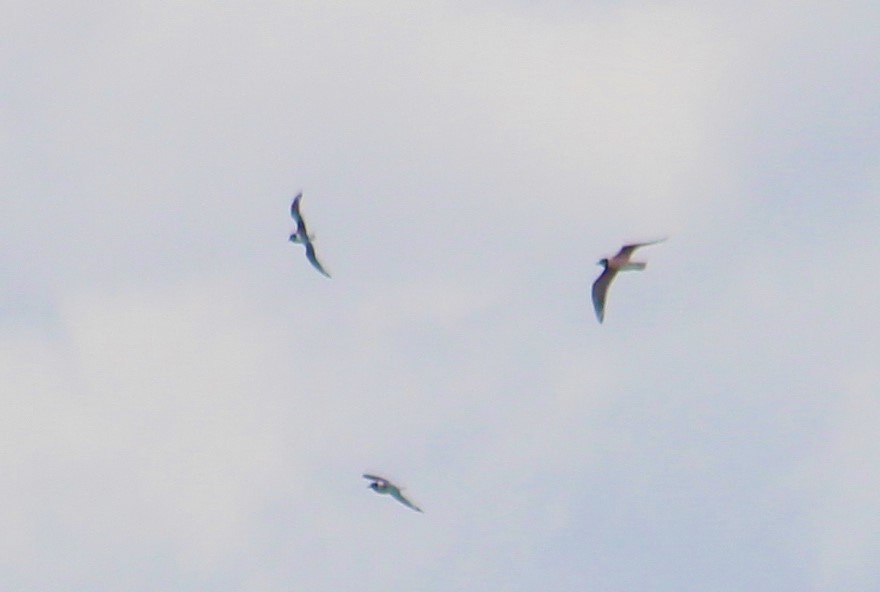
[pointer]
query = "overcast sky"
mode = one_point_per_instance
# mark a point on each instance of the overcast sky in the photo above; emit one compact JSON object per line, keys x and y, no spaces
{"x":186,"y":405}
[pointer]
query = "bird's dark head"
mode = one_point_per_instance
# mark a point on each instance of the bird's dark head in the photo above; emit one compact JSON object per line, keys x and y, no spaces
{"x":374,"y":486}
{"x":603,"y":262}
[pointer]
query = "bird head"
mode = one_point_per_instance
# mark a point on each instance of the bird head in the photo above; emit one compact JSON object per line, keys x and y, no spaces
{"x":603,"y":261}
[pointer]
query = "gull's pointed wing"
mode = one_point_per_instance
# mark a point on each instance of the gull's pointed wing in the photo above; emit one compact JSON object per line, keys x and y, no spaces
{"x":600,"y":291}
{"x":626,"y":251}
{"x":374,"y":478}
{"x":294,"y":208}
{"x":297,"y":217}
{"x":313,"y":259}
{"x":395,"y":493}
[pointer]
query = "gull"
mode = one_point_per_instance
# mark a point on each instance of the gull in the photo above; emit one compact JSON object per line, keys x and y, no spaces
{"x":620,"y":262}
{"x":302,"y":236}
{"x":382,"y":485}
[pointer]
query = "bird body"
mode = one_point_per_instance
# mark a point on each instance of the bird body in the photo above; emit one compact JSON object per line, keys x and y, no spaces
{"x":619,"y":262}
{"x":384,"y":486}
{"x":301,"y":235}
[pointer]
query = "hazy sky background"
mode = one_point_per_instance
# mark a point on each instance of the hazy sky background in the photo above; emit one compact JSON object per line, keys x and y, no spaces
{"x":187,"y":405}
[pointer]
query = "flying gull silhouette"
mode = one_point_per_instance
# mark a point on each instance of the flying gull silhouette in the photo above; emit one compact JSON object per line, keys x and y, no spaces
{"x":382,"y":485}
{"x":620,"y":262}
{"x":302,"y":236}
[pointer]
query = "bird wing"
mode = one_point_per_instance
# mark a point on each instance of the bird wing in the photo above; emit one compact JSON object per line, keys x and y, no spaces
{"x":395,"y":493}
{"x":294,"y":208}
{"x":313,"y":259}
{"x":627,"y":250}
{"x":374,"y":478}
{"x":600,"y":291}
{"x":295,"y":214}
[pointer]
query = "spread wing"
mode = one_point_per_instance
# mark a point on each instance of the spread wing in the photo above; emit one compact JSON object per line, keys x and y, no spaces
{"x":313,"y":259}
{"x":626,"y":251}
{"x":600,"y":291}
{"x":395,"y":493}
{"x":297,"y":217}
{"x":294,"y":208}
{"x":375,"y":478}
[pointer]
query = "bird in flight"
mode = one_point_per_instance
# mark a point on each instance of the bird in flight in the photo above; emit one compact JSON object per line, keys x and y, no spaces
{"x":382,"y":485}
{"x":301,"y":235}
{"x":620,"y":262}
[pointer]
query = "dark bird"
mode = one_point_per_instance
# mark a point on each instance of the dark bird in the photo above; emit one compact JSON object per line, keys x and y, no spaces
{"x":301,"y":235}
{"x":620,"y":262}
{"x":381,"y":485}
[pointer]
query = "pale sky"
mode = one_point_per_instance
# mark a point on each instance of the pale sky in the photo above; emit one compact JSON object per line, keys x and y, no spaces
{"x":188,"y":406}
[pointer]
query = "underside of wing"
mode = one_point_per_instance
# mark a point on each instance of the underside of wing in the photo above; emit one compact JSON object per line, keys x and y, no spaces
{"x":600,"y":292}
{"x":627,"y":250}
{"x":294,"y":208}
{"x":402,"y":499}
{"x":313,"y":259}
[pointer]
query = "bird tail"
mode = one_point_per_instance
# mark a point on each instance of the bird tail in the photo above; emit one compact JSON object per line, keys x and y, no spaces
{"x":633,"y":266}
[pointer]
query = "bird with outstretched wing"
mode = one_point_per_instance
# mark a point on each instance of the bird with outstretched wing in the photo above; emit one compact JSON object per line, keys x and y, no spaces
{"x":619,"y":262}
{"x":384,"y":486}
{"x":301,"y":235}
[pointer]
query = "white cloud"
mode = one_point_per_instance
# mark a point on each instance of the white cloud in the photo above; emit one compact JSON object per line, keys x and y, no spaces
{"x":188,"y":405}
